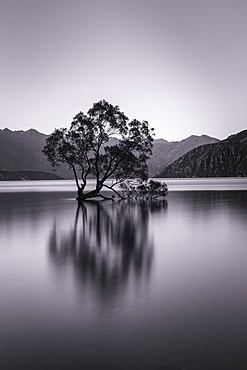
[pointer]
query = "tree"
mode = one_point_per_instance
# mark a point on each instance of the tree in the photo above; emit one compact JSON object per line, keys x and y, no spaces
{"x":104,"y":144}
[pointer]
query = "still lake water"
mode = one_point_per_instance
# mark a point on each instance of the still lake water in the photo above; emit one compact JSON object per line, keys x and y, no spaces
{"x":124,"y":285}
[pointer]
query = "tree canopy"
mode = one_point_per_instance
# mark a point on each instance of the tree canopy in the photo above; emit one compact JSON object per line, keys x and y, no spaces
{"x":104,"y":144}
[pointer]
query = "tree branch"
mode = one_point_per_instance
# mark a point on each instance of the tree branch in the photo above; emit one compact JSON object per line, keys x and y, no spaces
{"x":115,"y":191}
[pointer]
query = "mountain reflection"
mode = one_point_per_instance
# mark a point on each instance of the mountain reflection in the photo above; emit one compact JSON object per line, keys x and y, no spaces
{"x":108,"y":246}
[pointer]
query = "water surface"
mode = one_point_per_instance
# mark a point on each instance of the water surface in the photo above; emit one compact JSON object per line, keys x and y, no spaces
{"x":123,"y":285}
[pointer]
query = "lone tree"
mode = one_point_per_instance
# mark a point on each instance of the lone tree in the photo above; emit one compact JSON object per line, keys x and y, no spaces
{"x":104,"y":144}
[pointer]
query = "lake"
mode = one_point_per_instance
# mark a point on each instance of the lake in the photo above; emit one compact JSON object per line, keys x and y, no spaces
{"x":124,"y":285}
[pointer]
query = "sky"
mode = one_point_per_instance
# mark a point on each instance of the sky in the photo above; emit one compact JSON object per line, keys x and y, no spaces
{"x":181,"y":65}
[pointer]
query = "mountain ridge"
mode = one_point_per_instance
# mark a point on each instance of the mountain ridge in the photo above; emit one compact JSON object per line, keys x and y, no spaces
{"x":165,"y":152}
{"x":22,"y":150}
{"x":226,"y":158}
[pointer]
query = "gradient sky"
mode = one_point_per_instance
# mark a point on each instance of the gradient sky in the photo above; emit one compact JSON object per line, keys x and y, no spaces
{"x":179,"y":64}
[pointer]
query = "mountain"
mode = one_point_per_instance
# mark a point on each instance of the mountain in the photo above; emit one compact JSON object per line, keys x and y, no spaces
{"x":165,"y":152}
{"x":27,"y":175}
{"x":226,"y":158}
{"x":22,"y":150}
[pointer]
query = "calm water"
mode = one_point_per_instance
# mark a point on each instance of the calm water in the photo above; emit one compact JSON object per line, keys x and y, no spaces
{"x":123,"y":285}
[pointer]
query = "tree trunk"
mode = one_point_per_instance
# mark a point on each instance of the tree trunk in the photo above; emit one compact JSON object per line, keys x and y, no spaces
{"x":91,"y":194}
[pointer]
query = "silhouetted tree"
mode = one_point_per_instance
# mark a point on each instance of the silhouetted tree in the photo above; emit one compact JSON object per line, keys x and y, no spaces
{"x":104,"y":144}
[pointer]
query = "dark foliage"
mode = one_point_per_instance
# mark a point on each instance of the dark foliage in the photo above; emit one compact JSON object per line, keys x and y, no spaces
{"x":144,"y":190}
{"x":104,"y":144}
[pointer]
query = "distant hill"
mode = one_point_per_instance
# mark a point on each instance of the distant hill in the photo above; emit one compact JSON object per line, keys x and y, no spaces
{"x":226,"y":158}
{"x":22,"y":150}
{"x":27,"y":175}
{"x":165,"y":152}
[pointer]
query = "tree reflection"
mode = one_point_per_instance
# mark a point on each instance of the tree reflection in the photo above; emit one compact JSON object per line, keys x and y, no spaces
{"x":108,"y":245}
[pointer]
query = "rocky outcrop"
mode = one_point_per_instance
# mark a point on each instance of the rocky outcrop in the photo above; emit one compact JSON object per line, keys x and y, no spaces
{"x":227,"y":158}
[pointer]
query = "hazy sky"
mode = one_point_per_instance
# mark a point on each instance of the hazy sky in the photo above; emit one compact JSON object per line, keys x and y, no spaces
{"x":179,"y":64}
